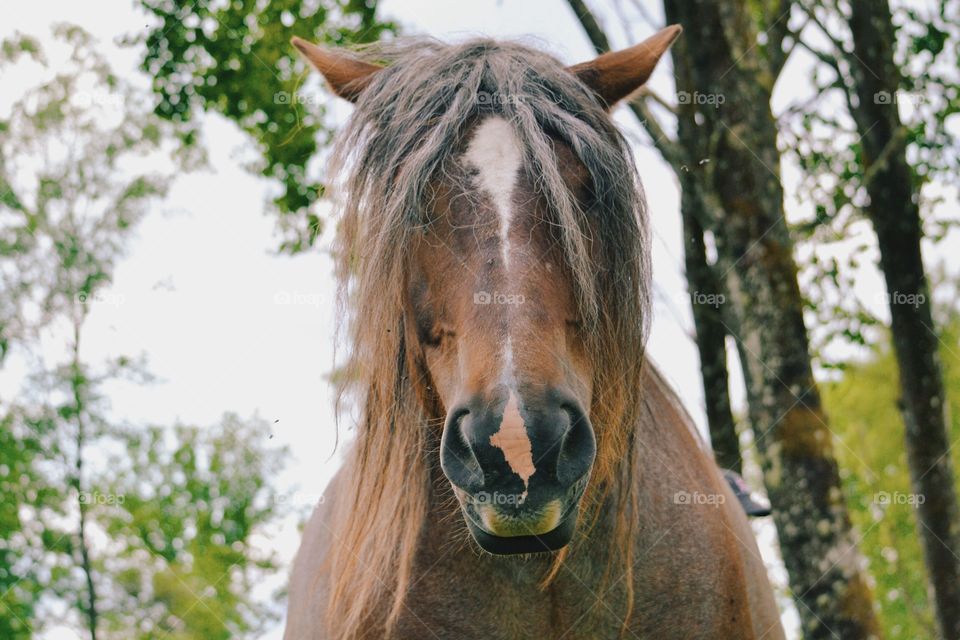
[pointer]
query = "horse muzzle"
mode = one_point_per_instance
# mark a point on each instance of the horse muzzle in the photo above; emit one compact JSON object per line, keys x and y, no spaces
{"x":519,"y":468}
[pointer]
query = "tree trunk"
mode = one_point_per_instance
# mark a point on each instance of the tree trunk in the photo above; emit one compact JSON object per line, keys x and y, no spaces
{"x":77,"y":383}
{"x":707,"y":296}
{"x":703,"y":284}
{"x":895,"y":215}
{"x":730,"y":89}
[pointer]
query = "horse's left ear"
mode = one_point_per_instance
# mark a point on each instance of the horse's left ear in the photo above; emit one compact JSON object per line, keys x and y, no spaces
{"x":346,"y":75}
{"x":615,"y":75}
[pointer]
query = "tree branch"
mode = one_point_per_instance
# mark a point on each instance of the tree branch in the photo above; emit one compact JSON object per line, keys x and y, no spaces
{"x":669,"y":149}
{"x":896,"y":142}
{"x":77,"y":382}
{"x":648,"y":92}
{"x":812,"y":17}
{"x":589,"y":23}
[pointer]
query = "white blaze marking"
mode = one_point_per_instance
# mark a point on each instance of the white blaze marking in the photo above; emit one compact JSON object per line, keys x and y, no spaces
{"x":495,"y":153}
{"x":512,"y":437}
{"x":513,"y":440}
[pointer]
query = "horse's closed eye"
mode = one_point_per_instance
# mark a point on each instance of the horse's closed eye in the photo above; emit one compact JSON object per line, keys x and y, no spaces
{"x":435,"y":336}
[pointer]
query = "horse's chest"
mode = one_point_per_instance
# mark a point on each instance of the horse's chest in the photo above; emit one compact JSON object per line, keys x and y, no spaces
{"x":458,"y":601}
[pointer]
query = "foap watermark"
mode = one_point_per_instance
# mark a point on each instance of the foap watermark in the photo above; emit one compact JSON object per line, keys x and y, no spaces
{"x":486,"y":297}
{"x":486,"y":98}
{"x":299,"y":499}
{"x":297,"y":298}
{"x":900,"y":97}
{"x":97,"y":498}
{"x":296,"y":97}
{"x":499,"y":499}
{"x":112,"y":299}
{"x":87,"y":99}
{"x":885,"y":498}
{"x":708,"y":299}
{"x":906,"y":299}
{"x":698,"y":498}
{"x":709,"y":99}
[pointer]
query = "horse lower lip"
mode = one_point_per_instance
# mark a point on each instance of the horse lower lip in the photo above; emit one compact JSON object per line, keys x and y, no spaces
{"x":569,"y":505}
{"x":505,"y":524}
{"x":552,"y":540}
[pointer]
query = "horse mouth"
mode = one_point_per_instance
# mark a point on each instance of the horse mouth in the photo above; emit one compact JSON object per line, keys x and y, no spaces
{"x":553,"y":540}
{"x":549,"y":527}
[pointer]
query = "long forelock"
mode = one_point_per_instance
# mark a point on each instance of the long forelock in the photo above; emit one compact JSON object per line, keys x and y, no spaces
{"x":412,"y":117}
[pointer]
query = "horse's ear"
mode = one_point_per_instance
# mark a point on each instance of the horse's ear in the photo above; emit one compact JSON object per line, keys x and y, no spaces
{"x":346,"y":75}
{"x":615,"y":75}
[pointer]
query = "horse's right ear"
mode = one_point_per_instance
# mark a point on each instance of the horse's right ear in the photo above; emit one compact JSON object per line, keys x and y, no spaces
{"x":347,"y":76}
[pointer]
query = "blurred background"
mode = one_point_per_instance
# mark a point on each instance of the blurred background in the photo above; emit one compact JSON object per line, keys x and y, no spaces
{"x":168,"y":316}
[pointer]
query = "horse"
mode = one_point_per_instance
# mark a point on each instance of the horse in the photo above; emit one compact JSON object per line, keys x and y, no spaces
{"x":519,"y":468}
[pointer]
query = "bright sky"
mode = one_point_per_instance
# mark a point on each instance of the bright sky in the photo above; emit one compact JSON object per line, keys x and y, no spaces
{"x":201,"y":293}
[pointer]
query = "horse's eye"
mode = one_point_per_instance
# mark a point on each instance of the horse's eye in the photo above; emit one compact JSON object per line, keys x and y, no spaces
{"x":435,"y":336}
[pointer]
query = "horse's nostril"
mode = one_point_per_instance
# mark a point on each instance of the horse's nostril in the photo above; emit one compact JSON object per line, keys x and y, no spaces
{"x":456,"y":417}
{"x":578,"y":448}
{"x":457,"y":459}
{"x":534,"y":449}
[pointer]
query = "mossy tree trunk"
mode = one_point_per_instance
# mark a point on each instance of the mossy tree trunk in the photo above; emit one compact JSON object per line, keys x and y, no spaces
{"x":729,"y":89}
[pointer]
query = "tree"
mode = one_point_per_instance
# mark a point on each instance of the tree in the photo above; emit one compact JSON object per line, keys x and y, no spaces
{"x":19,"y":585}
{"x":235,"y":58}
{"x":879,"y":180}
{"x":893,"y":210}
{"x":800,"y":471}
{"x":67,"y":211}
{"x":72,"y":199}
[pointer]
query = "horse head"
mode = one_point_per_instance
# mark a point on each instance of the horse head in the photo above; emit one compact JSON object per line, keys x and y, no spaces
{"x":506,"y":203}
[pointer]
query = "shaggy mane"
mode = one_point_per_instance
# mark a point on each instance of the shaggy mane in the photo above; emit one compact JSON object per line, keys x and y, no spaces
{"x":406,"y":127}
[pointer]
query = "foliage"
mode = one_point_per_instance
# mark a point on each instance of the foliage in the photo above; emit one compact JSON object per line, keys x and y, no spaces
{"x":136,"y":533}
{"x":19,"y":587}
{"x":69,"y":203}
{"x":235,"y":58}
{"x":863,"y":412}
{"x":70,"y":198}
{"x":181,"y":553}
{"x":819,"y":134}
